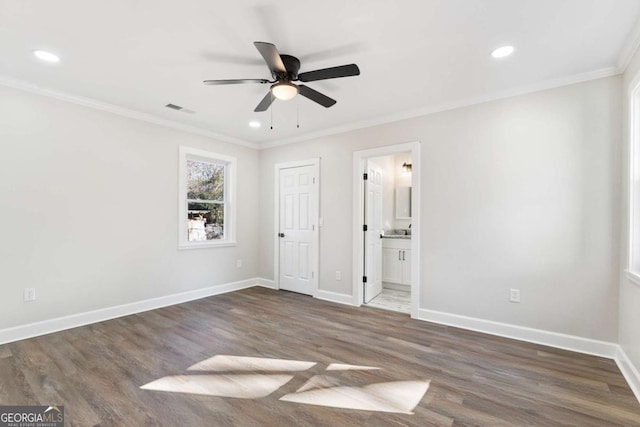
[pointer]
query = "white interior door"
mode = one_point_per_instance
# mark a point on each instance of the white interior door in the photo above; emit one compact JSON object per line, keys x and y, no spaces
{"x":298,"y":243}
{"x":372,"y":240}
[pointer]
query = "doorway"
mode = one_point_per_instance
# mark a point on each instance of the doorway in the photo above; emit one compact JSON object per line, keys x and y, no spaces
{"x":386,"y":225}
{"x":373,"y":218}
{"x":296,"y":224}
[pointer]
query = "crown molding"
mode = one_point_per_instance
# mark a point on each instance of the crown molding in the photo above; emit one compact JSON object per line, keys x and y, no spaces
{"x":630,"y":47}
{"x":121,"y":111}
{"x":409,"y":114}
{"x":425,"y":111}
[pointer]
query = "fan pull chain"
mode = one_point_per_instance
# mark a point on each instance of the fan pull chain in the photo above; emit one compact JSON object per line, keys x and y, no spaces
{"x":297,"y":112}
{"x":271,"y":110}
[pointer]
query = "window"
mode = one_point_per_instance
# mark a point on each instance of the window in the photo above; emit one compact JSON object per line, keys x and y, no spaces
{"x":633,"y":269}
{"x":206,"y":199}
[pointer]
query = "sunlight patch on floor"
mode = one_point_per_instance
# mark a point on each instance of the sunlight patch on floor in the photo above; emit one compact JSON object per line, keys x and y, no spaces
{"x":345,"y":367}
{"x":237,"y":386}
{"x":397,"y":396}
{"x":241,"y":363}
{"x":244,"y":377}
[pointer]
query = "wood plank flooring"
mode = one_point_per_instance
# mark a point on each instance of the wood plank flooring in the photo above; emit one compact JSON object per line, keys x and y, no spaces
{"x":96,"y":371}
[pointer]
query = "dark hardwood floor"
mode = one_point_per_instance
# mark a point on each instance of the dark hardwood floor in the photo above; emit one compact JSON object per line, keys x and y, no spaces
{"x":96,"y":371}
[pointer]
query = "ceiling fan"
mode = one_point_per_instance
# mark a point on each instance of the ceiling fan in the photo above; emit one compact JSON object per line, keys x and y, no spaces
{"x":284,"y":70}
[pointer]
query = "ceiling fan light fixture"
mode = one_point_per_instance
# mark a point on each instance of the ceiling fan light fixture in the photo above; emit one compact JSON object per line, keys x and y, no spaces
{"x":284,"y":91}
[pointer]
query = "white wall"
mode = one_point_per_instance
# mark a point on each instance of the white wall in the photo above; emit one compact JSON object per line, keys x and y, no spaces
{"x":88,"y":202}
{"x":629,"y":321}
{"x":517,"y":193}
{"x":522,"y":192}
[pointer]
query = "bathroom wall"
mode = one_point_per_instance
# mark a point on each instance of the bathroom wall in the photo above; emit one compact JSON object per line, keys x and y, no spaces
{"x":386,"y":163}
{"x":402,"y":179}
{"x":392,"y":176}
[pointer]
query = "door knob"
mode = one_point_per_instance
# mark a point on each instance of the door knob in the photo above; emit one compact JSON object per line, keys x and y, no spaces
{"x":281,"y":234}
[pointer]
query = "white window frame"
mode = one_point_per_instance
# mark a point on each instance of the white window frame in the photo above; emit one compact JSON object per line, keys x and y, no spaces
{"x":633,"y":274}
{"x":230,"y":163}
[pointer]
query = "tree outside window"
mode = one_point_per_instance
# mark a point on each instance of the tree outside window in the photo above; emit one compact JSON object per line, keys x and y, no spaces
{"x":205,"y":199}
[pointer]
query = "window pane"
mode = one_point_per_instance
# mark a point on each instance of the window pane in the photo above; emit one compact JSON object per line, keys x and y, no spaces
{"x":205,"y":221}
{"x":205,"y":181}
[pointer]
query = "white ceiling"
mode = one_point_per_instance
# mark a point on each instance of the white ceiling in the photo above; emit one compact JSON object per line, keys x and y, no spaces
{"x":415,"y":56}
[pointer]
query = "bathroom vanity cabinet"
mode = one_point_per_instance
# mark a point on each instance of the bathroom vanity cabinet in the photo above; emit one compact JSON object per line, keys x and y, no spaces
{"x":396,"y":261}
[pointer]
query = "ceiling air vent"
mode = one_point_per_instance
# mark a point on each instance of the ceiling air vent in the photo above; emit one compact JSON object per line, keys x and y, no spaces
{"x":179,"y":108}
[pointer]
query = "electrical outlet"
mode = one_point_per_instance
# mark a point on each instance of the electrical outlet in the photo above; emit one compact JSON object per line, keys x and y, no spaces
{"x":29,"y":294}
{"x":338,"y":275}
{"x":514,"y":295}
{"x":239,"y":263}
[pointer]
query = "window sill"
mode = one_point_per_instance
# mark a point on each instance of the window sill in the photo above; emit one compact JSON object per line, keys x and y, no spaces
{"x":633,"y":277}
{"x":206,"y":245}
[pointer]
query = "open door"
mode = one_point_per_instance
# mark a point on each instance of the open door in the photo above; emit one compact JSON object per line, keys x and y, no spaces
{"x":372,"y":240}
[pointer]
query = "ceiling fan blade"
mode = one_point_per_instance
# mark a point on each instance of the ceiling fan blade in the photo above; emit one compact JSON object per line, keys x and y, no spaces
{"x":265,"y":103}
{"x":234,"y":81}
{"x":330,"y":73}
{"x":271,"y":57}
{"x":315,"y":96}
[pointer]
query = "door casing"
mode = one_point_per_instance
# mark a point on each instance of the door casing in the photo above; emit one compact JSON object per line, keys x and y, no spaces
{"x":359,"y":164}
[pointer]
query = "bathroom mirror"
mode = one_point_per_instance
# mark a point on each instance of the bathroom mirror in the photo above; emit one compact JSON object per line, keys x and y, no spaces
{"x":403,"y":202}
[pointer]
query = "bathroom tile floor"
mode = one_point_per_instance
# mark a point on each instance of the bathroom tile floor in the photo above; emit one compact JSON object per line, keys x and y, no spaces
{"x":390,"y":299}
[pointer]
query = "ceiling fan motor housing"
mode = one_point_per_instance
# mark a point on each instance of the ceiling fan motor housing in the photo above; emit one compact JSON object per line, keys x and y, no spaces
{"x":292,"y":64}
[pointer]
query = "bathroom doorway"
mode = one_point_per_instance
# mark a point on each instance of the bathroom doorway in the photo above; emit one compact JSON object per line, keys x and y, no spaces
{"x":386,"y":217}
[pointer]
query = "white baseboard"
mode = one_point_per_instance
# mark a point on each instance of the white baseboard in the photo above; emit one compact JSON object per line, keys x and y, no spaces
{"x":266,"y":283}
{"x":67,"y":322}
{"x":320,"y":294}
{"x":335,"y":297}
{"x":521,"y":333}
{"x":629,"y":371}
{"x":537,"y":336}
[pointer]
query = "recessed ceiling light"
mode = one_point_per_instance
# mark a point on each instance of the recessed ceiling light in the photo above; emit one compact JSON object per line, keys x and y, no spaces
{"x":254,"y":124}
{"x":46,"y":56}
{"x":503,"y":51}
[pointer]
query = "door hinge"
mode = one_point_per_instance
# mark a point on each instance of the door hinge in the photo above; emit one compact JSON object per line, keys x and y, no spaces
{"x":364,"y":227}
{"x":365,"y":176}
{"x":314,"y":180}
{"x":312,"y":274}
{"x":364,"y":279}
